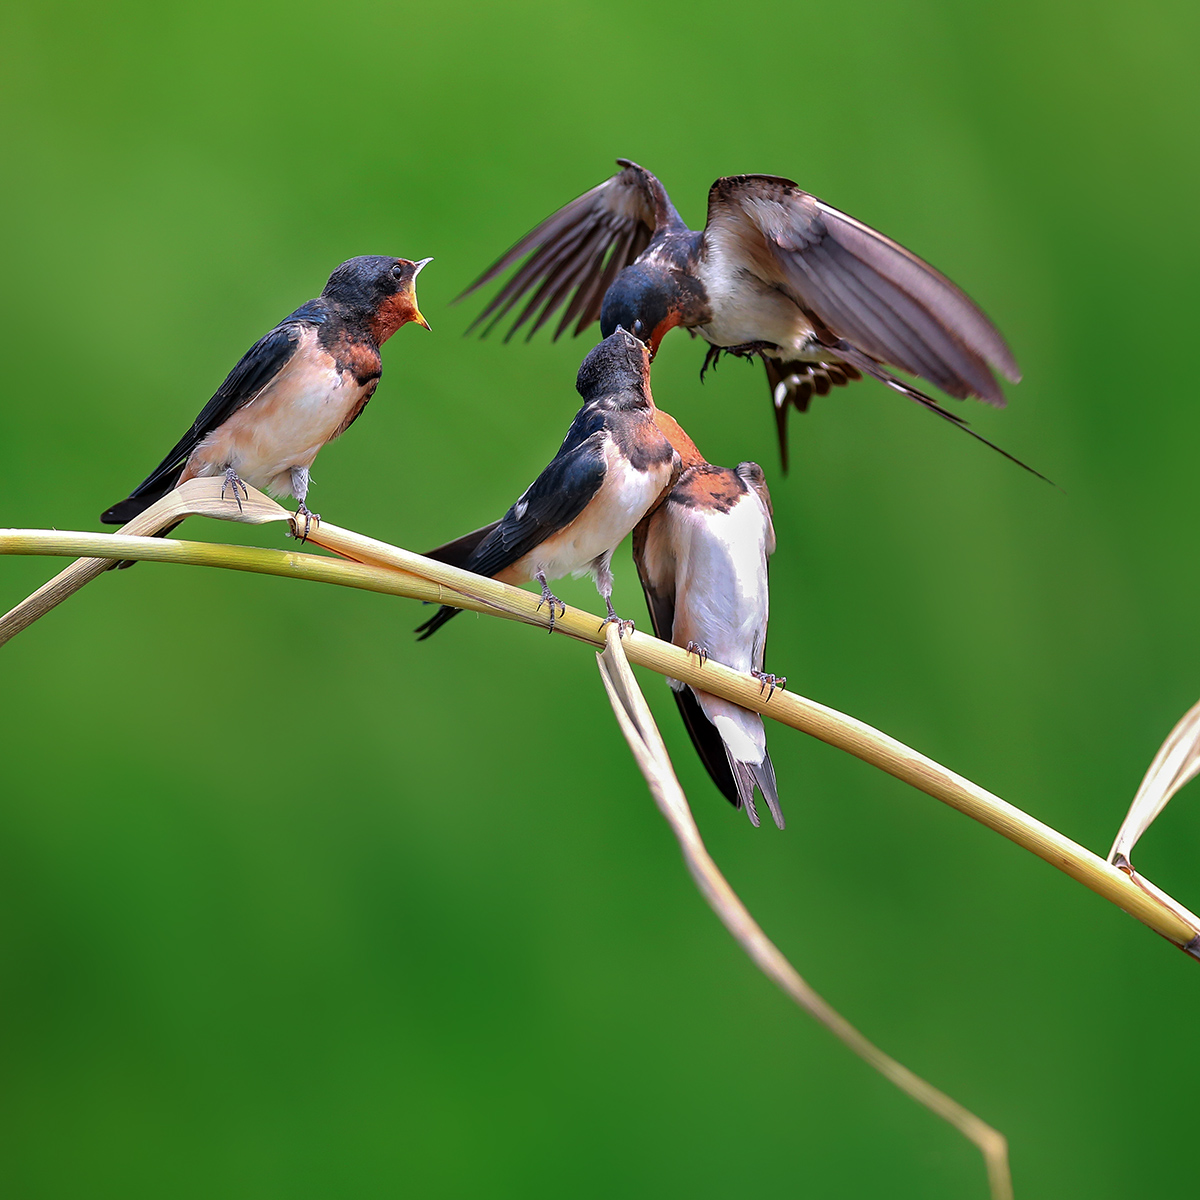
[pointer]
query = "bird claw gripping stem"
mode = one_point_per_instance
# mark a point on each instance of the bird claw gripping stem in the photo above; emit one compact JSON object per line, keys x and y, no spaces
{"x":774,"y":682}
{"x":310,"y":519}
{"x":550,"y":599}
{"x":623,"y":626}
{"x":232,"y":481}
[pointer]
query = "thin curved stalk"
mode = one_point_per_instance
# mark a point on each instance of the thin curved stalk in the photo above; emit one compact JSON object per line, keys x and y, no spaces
{"x":381,"y":567}
{"x":637,"y":724}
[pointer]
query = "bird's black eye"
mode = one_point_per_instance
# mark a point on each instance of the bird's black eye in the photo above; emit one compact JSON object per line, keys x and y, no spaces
{"x":397,"y":272}
{"x":639,"y":330}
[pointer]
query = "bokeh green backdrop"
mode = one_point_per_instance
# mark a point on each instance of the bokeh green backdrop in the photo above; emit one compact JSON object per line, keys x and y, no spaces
{"x":294,"y":907}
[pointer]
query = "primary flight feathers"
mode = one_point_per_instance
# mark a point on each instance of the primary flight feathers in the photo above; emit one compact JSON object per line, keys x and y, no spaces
{"x":775,"y":272}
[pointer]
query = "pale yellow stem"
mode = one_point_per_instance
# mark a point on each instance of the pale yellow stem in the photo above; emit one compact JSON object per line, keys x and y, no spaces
{"x":404,"y":573}
{"x":637,"y":724}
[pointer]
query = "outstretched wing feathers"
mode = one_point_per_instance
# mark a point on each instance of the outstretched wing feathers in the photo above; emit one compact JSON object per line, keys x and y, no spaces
{"x":589,"y":300}
{"x":576,"y":271}
{"x":580,"y":248}
{"x":883,"y":314}
{"x":925,"y":283}
{"x":859,"y":284}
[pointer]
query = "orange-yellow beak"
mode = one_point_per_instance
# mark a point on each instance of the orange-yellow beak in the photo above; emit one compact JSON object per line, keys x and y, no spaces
{"x":417,"y":317}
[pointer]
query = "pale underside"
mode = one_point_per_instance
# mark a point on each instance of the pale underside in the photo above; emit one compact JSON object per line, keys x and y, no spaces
{"x":587,"y":544}
{"x":746,"y":309}
{"x":716,"y":565}
{"x":271,"y":442}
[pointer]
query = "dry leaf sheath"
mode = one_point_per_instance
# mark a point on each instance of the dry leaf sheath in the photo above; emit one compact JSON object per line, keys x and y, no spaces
{"x":637,"y":724}
{"x":1177,"y":762}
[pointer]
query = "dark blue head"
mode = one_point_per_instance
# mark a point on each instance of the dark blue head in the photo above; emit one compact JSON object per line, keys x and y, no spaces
{"x":641,"y":299}
{"x":621,"y":363}
{"x":379,"y":291}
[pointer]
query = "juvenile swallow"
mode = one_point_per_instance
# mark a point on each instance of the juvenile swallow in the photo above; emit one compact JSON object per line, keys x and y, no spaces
{"x":612,"y":467}
{"x":302,"y":385}
{"x":821,"y":298}
{"x":702,"y":559}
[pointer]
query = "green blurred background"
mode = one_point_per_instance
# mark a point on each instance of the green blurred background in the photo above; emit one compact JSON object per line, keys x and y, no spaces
{"x":294,"y":907}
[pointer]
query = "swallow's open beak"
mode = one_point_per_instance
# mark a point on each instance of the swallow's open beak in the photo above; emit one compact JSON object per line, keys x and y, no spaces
{"x":417,"y":269}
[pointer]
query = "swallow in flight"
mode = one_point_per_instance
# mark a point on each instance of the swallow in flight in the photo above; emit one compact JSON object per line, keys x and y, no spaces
{"x":302,"y":385}
{"x":702,"y":559}
{"x":613,"y":466}
{"x":821,"y":298}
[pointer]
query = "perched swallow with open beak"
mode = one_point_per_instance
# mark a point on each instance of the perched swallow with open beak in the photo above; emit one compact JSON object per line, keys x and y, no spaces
{"x":613,"y":466}
{"x":302,"y":385}
{"x":702,"y":559}
{"x":821,"y":298}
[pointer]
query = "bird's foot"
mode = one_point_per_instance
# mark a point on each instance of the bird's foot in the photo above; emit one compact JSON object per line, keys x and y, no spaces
{"x":233,"y":482}
{"x":750,"y":349}
{"x":310,"y":519}
{"x":550,"y":599}
{"x":774,"y":682}
{"x":712,"y":356}
{"x":623,"y":626}
{"x":701,"y":652}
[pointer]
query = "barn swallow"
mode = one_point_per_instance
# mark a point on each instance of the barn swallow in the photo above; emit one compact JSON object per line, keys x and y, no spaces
{"x":702,"y":559}
{"x":612,"y":467}
{"x":302,"y":385}
{"x":821,"y":298}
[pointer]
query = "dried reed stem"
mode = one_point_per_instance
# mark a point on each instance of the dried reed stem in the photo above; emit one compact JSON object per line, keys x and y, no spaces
{"x":381,"y":567}
{"x":637,"y":724}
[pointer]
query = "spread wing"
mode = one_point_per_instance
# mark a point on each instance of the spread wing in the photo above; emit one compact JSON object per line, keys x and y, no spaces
{"x":860,"y":286}
{"x":568,"y":251}
{"x":257,"y":367}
